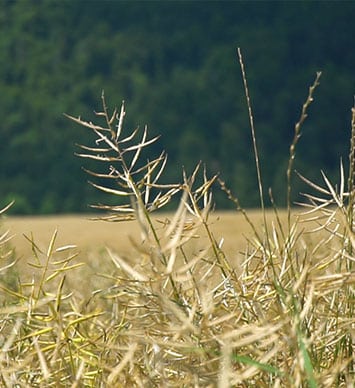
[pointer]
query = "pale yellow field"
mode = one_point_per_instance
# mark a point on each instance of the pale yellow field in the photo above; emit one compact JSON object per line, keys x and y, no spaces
{"x":93,"y":236}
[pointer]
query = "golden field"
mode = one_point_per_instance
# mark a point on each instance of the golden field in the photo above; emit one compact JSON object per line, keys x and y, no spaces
{"x":94,"y":235}
{"x":91,"y":238}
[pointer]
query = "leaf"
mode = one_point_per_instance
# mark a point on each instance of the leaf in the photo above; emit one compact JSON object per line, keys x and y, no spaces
{"x":307,"y":363}
{"x":265,"y":367}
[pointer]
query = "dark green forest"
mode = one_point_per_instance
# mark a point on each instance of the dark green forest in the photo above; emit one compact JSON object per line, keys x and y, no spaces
{"x":175,"y":64}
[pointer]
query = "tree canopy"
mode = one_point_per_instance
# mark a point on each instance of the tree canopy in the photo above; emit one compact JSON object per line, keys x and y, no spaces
{"x":175,"y":65}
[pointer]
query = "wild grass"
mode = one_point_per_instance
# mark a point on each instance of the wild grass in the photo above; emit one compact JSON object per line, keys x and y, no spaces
{"x":177,"y":314}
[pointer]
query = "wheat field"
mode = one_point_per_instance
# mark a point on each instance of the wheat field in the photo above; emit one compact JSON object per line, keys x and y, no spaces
{"x":92,"y":236}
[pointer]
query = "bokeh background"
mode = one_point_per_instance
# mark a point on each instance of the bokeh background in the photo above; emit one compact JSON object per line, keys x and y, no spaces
{"x":175,"y":65}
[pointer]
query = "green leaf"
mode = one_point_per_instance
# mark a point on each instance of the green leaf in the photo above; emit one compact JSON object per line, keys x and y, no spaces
{"x":307,"y":363}
{"x":264,"y":367}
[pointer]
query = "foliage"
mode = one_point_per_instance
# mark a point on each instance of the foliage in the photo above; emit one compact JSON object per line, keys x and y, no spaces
{"x":57,"y":56}
{"x":178,"y":314}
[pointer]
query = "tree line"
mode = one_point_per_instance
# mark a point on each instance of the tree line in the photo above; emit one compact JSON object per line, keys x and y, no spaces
{"x":175,"y":65}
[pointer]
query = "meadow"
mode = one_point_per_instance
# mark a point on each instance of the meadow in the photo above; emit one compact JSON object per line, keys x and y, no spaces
{"x":190,"y":298}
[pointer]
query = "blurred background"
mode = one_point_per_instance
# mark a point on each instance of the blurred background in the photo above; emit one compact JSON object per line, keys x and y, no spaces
{"x":175,"y":65}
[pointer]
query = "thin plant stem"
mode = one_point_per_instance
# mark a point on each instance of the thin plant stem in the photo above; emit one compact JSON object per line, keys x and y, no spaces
{"x":296,"y":137}
{"x":252,"y":127}
{"x":255,"y":148}
{"x":351,"y":179}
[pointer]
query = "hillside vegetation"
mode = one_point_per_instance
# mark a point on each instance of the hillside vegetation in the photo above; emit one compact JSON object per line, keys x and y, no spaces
{"x":175,"y":65}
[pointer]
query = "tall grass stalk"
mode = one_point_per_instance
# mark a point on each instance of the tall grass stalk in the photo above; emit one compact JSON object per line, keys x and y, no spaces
{"x":253,"y":135}
{"x":296,"y":137}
